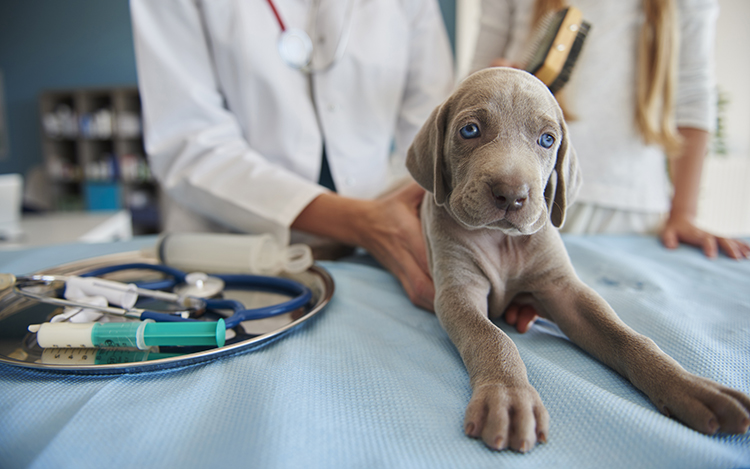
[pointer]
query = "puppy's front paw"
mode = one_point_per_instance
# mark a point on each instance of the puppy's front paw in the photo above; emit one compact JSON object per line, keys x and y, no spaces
{"x":507,"y":417}
{"x":706,"y":406}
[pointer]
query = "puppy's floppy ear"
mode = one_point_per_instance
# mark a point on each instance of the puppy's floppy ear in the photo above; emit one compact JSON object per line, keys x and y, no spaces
{"x":424,"y":160}
{"x":564,"y":182}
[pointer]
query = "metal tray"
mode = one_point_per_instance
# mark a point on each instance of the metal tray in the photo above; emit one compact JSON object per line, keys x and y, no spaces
{"x":18,"y":347}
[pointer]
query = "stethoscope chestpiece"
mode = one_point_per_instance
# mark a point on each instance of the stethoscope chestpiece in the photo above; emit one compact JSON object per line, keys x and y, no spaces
{"x":200,"y":285}
{"x":295,"y":48}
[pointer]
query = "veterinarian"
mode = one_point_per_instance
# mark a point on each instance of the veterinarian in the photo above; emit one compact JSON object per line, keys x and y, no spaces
{"x":270,"y":116}
{"x":631,"y":121}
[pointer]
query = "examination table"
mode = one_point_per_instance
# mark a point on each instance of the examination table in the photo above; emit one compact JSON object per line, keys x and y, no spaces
{"x":374,"y":382}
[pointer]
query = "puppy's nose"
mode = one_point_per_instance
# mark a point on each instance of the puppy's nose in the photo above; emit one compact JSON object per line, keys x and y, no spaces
{"x":510,"y":198}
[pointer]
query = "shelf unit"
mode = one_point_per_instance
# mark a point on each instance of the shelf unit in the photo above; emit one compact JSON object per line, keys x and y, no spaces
{"x":94,"y":155}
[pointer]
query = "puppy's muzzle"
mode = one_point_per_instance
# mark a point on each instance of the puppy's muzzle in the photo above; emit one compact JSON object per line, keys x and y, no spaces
{"x":509,"y":198}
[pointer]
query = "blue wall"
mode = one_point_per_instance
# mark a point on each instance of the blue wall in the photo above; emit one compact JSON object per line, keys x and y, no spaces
{"x":49,"y":44}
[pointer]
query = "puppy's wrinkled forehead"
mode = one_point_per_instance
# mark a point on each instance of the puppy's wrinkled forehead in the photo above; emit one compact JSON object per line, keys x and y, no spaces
{"x":505,"y":91}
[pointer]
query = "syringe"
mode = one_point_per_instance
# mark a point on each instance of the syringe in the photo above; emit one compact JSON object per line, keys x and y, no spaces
{"x":99,"y":356}
{"x":132,"y":334}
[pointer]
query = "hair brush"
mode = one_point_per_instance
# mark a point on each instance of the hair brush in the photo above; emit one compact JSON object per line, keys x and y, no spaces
{"x":556,"y":47}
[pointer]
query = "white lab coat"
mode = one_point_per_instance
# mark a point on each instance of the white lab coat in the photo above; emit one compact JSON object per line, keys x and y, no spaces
{"x":231,"y":131}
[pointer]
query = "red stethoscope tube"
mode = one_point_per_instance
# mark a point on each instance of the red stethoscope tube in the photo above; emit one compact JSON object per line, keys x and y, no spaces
{"x":295,"y":45}
{"x":276,"y":14}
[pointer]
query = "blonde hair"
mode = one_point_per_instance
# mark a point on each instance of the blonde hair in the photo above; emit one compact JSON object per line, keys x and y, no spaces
{"x":657,"y":70}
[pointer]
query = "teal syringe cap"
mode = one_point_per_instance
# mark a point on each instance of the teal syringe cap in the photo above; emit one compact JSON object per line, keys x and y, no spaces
{"x":185,"y":333}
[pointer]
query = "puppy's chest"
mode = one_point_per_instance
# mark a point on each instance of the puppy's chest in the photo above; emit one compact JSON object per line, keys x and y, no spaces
{"x":510,"y":265}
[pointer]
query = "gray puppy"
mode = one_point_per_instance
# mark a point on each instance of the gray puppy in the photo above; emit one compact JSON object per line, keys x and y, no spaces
{"x":500,"y":170}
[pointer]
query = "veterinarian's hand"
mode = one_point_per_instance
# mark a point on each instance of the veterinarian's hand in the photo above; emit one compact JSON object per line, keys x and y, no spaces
{"x":392,"y":232}
{"x":388,"y":228}
{"x":681,"y":229}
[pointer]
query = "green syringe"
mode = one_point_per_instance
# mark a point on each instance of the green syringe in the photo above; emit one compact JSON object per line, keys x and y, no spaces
{"x":133,"y":334}
{"x":100,"y":356}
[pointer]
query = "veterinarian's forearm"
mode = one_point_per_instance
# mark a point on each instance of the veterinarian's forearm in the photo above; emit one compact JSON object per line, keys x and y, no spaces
{"x":388,"y":228}
{"x":686,"y":172}
{"x":331,"y":216}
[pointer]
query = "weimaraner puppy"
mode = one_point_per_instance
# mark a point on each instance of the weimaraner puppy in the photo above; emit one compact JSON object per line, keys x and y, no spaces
{"x":499,"y":168}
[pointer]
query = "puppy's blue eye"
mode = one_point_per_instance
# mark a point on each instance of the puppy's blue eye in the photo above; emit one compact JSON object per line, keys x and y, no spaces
{"x":470,"y":131}
{"x":546,"y":140}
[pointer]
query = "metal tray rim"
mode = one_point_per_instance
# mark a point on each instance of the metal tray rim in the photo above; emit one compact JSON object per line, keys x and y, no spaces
{"x":173,"y":362}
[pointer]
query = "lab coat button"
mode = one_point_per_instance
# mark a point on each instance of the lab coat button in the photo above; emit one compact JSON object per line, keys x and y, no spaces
{"x":350,"y":181}
{"x":331,"y":107}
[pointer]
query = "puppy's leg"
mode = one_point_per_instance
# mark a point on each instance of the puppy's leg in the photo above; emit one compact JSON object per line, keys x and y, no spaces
{"x":504,"y":410}
{"x":590,"y":322}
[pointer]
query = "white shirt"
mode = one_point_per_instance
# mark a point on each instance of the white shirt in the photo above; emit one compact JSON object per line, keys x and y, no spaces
{"x":619,"y":170}
{"x":231,"y":130}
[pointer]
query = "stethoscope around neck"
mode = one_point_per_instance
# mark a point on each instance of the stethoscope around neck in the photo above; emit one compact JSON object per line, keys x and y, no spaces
{"x":296,"y":47}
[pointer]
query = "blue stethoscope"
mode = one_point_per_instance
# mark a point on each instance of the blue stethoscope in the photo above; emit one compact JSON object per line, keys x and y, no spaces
{"x":192,"y":296}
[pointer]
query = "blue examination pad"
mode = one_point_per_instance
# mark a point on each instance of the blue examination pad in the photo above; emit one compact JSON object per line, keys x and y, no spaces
{"x":373,"y":381}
